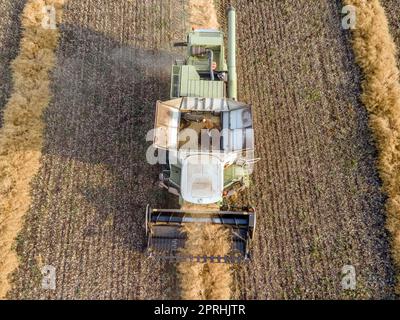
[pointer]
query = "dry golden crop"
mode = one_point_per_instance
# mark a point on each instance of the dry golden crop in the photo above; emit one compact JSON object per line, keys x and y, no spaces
{"x":21,"y":134}
{"x":375,"y":52}
{"x":200,"y":281}
{"x":202,"y":14}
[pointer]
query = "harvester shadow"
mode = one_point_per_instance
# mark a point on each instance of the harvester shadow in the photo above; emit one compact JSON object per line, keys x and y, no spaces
{"x":103,"y":106}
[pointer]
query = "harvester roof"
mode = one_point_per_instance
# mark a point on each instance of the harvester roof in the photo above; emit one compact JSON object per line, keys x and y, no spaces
{"x":202,"y":179}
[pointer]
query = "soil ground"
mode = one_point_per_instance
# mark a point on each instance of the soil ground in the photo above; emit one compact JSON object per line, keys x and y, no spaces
{"x":392,"y":9}
{"x":316,"y":188}
{"x":9,"y":43}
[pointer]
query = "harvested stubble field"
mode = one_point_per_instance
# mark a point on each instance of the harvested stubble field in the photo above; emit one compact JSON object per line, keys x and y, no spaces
{"x":9,"y":44}
{"x":392,"y":10}
{"x":316,"y":188}
{"x":87,"y":215}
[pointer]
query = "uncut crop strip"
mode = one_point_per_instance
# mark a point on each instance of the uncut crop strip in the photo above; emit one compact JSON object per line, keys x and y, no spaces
{"x":375,"y":52}
{"x":205,"y":281}
{"x":21,"y":134}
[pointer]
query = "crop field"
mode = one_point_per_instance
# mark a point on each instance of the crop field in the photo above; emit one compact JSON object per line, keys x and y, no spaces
{"x":87,"y":216}
{"x":316,"y":188}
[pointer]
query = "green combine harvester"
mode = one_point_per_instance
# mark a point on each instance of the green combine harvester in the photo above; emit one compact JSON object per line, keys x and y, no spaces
{"x":208,"y":138}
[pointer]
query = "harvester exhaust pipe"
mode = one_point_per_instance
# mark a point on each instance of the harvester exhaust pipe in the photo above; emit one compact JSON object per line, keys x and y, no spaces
{"x":232,"y":77}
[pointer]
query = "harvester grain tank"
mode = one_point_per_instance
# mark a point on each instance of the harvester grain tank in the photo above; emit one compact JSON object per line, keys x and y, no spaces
{"x":215,"y":163}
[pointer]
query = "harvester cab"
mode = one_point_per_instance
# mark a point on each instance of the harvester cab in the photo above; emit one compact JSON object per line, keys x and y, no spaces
{"x":207,"y":136}
{"x":205,"y":63}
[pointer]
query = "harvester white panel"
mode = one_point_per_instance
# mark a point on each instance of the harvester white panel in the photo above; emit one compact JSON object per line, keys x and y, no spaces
{"x":166,"y":129}
{"x":202,"y":179}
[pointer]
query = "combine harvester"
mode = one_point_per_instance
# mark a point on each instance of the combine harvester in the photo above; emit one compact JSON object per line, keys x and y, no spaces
{"x":203,"y":108}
